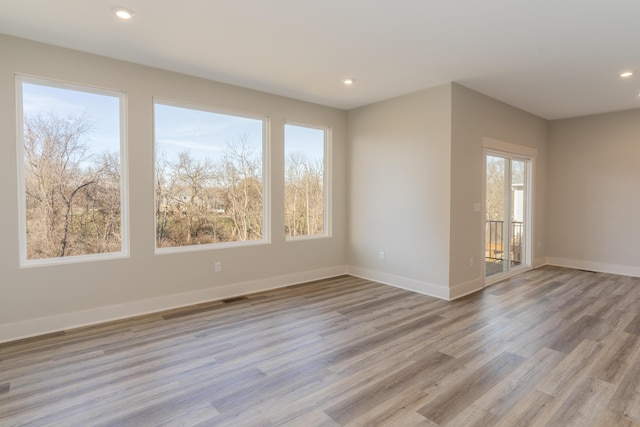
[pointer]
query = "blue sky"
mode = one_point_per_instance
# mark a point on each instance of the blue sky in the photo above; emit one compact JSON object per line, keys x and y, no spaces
{"x":203,"y":133}
{"x":206,"y":133}
{"x":104,"y":110}
{"x":304,"y":139}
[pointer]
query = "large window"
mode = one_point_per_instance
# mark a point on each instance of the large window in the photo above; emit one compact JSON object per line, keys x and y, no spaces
{"x":209,"y":176}
{"x":71,"y":165}
{"x":305,"y":198}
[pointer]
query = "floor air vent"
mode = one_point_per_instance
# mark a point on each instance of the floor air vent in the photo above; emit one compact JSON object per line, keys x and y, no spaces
{"x":234,"y":299}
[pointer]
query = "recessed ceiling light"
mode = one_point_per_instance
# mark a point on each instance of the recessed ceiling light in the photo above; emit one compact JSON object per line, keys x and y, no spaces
{"x":348,"y":82}
{"x":123,"y":12}
{"x":626,"y":74}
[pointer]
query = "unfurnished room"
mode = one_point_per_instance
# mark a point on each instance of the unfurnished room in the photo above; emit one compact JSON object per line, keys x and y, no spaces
{"x":290,"y":213}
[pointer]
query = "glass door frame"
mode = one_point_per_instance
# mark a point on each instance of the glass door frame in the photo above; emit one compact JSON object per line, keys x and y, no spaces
{"x":516,"y":152}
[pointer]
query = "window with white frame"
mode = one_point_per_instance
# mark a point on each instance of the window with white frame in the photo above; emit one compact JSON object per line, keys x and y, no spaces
{"x":71,"y":146}
{"x":209,"y":176}
{"x":306,"y":200}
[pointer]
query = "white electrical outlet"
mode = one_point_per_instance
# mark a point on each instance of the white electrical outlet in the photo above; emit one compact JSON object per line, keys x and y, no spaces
{"x":217,"y":267}
{"x":471,"y":262}
{"x":381,"y":255}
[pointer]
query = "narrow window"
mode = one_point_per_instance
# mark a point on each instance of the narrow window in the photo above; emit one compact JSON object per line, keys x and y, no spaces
{"x":71,"y":182}
{"x":209,"y":183}
{"x":305,"y":197}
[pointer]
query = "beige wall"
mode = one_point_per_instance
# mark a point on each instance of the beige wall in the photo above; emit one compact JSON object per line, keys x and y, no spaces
{"x":474,"y":117}
{"x":405,"y":183}
{"x":399,"y":171}
{"x":415,"y":172}
{"x":594,"y":192}
{"x":35,"y":299}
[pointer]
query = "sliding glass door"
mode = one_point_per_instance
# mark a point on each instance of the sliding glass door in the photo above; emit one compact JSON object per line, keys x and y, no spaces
{"x":507,"y":212}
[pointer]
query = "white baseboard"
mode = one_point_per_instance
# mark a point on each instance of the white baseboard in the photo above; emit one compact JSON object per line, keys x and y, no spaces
{"x":467,"y":288}
{"x":540,"y":262}
{"x":623,"y":270}
{"x":401,"y":282}
{"x":61,"y":322}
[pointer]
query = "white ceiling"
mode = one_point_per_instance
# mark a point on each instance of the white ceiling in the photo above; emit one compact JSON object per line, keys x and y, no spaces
{"x":553,"y":58}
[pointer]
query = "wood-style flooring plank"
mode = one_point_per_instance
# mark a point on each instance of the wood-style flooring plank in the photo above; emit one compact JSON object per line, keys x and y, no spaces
{"x":364,"y":400}
{"x":448,"y":405}
{"x":550,"y":347}
{"x":573,"y":367}
{"x":395,"y":410}
{"x":505,"y":395}
{"x":529,"y":411}
{"x":625,"y":403}
{"x":583,"y":404}
{"x":620,"y":349}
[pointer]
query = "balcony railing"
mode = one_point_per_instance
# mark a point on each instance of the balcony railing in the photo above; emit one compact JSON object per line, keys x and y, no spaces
{"x":495,"y":246}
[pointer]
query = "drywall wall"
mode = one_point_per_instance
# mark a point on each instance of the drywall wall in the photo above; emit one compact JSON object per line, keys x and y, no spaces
{"x":594,"y":200}
{"x":475,"y":117}
{"x":39,"y":299}
{"x":416,"y":171}
{"x":399,"y":172}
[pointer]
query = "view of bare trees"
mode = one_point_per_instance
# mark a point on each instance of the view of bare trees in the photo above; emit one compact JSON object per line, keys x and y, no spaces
{"x":304,"y":196}
{"x":72,"y":194}
{"x":201,"y":201}
{"x":505,"y":204}
{"x":495,"y":188}
{"x":205,"y":191}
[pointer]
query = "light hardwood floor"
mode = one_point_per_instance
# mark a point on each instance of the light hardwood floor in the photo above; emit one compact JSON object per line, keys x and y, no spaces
{"x":550,"y":347}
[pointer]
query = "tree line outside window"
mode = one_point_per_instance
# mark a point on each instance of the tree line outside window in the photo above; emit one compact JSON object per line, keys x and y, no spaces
{"x":304,"y":174}
{"x":209,"y":174}
{"x":71,"y":189}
